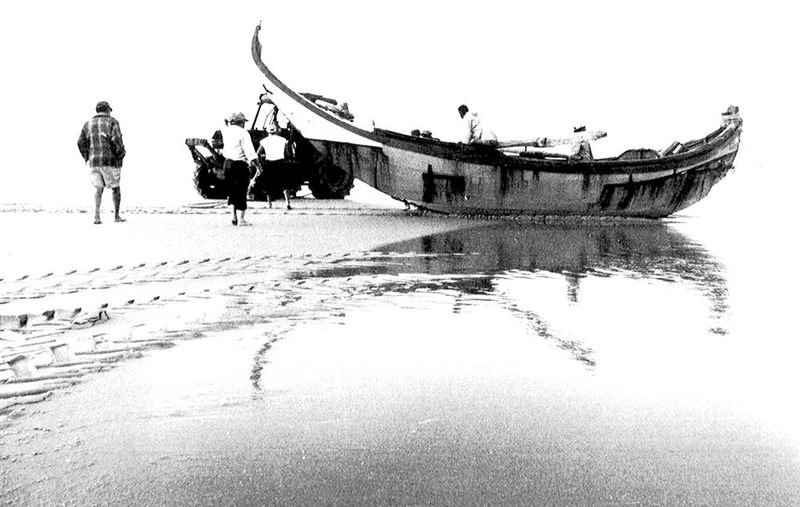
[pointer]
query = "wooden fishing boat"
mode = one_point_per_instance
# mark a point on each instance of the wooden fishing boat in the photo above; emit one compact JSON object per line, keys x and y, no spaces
{"x":454,"y":178}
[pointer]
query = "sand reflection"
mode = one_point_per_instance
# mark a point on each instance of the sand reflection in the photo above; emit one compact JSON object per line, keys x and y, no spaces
{"x":635,"y":275}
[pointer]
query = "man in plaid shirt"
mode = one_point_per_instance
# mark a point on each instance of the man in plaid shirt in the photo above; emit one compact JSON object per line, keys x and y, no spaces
{"x":100,"y":144}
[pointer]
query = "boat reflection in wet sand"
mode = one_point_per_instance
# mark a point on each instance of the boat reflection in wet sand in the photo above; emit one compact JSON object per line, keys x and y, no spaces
{"x":476,"y":263}
{"x":507,"y":178}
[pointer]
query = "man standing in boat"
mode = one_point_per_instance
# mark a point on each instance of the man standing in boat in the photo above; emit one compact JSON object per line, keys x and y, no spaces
{"x":239,"y":155}
{"x":474,"y":131}
{"x":100,"y":144}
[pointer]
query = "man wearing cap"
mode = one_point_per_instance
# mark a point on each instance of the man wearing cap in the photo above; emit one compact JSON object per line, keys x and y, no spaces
{"x":239,"y":155}
{"x":100,"y":144}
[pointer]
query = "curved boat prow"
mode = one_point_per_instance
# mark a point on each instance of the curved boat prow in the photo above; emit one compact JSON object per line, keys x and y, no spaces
{"x":304,"y":114}
{"x":255,"y":47}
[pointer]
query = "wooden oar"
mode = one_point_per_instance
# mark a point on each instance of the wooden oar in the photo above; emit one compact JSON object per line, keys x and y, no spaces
{"x":547,"y":142}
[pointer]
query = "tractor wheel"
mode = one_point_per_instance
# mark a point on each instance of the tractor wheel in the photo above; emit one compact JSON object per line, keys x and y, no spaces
{"x":207,"y":183}
{"x":330,"y":182}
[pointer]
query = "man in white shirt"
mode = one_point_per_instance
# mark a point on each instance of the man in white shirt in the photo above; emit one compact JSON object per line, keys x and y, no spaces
{"x":273,"y":151}
{"x":474,"y":132}
{"x":239,"y":155}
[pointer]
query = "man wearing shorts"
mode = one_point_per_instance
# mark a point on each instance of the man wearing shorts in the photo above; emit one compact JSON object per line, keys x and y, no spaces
{"x":100,"y":144}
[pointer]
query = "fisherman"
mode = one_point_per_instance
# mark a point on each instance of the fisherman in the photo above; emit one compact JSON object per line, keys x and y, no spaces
{"x":474,"y":131}
{"x":273,"y":152}
{"x":239,"y":153}
{"x":100,"y":144}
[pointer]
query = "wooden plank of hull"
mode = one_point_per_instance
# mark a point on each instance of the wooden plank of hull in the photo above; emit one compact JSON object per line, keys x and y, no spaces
{"x":509,"y":191}
{"x":661,"y":197}
{"x":463,"y":187}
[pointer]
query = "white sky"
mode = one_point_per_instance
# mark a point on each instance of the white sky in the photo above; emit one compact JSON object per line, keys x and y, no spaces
{"x":646,"y":72}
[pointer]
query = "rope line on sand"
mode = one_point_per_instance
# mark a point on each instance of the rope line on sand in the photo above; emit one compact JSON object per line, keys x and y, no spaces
{"x":33,"y":384}
{"x":28,"y":287}
{"x":241,"y":266}
{"x":29,"y":276}
{"x":266,"y":303}
{"x":97,"y":270}
{"x":82,"y":315}
{"x":306,"y":207}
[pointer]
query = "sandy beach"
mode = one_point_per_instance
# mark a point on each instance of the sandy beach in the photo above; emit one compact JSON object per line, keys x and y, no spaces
{"x":348,"y":353}
{"x":77,"y":299}
{"x":90,"y":288}
{"x":59,"y":270}
{"x":38,"y":241}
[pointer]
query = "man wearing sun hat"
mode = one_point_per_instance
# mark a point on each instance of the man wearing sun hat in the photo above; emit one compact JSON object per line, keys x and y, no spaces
{"x":239,"y":154}
{"x":100,"y":144}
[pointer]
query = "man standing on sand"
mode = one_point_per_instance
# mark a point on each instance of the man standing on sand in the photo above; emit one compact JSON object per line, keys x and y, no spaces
{"x":100,"y":144}
{"x":273,"y":152}
{"x":239,"y":154}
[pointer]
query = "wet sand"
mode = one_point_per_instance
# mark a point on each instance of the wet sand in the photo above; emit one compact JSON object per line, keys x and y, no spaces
{"x":34,"y":243}
{"x":299,"y":367}
{"x":58,"y":269}
{"x":79,"y":299}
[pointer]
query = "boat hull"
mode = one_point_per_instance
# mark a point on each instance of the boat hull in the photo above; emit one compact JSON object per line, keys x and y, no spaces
{"x":460,"y":184}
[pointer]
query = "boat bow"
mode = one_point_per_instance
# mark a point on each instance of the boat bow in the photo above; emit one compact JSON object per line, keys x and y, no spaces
{"x":304,"y":114}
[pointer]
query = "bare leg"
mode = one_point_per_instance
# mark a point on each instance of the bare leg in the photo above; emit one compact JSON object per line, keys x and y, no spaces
{"x":98,"y":198}
{"x":286,"y":195}
{"x":242,"y":221}
{"x":116,"y":193}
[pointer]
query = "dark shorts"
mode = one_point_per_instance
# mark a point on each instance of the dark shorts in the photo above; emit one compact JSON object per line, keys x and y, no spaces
{"x":237,"y":179}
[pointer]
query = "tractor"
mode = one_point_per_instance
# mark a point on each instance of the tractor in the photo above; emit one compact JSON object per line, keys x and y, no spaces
{"x":305,"y":166}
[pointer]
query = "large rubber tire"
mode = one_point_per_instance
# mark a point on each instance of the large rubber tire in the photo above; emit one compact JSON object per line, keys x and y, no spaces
{"x":330,"y":182}
{"x":207,"y":184}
